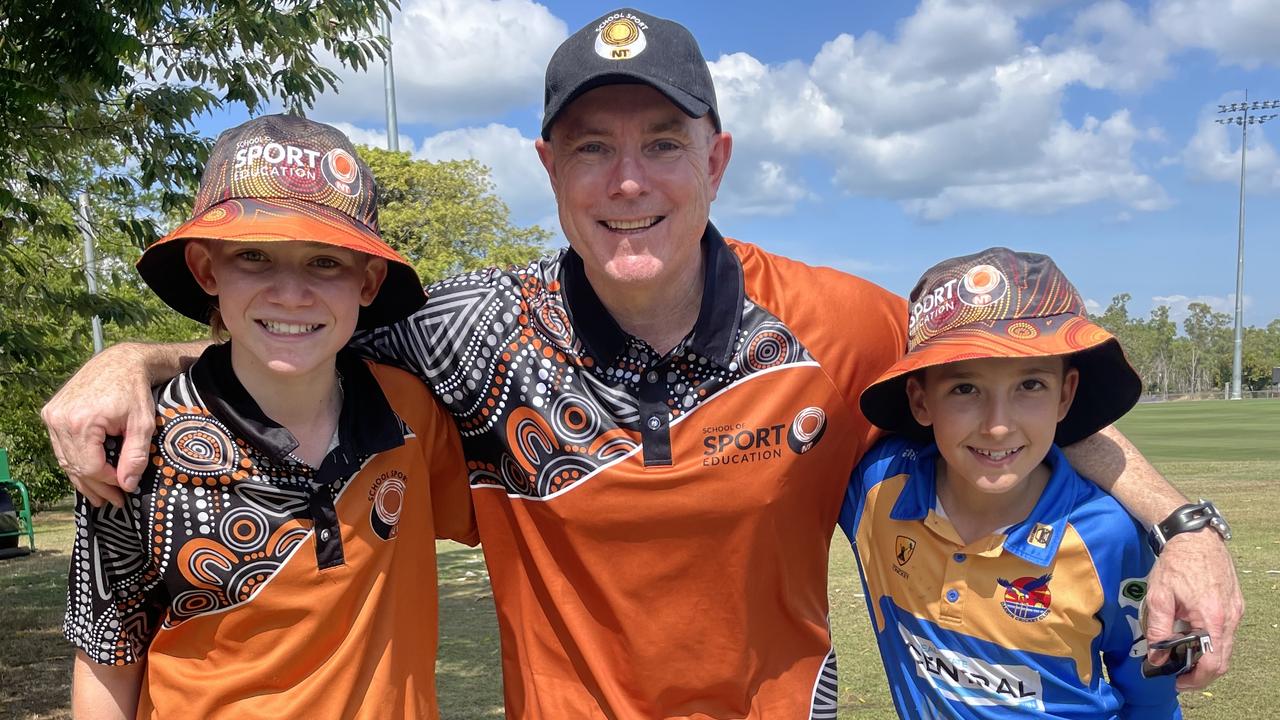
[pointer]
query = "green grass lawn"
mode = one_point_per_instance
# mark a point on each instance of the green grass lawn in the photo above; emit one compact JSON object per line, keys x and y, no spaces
{"x":1229,"y":452}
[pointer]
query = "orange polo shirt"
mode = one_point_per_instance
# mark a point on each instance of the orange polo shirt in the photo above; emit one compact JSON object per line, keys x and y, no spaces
{"x":257,"y":586}
{"x":656,"y":526}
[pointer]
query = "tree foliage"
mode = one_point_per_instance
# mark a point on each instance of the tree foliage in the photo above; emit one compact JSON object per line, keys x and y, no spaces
{"x":115,"y":84}
{"x":102,"y":96}
{"x":1199,"y":360}
{"x":445,"y":217}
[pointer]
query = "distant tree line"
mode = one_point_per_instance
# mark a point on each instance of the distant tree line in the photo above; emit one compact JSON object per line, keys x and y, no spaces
{"x":1198,"y":359}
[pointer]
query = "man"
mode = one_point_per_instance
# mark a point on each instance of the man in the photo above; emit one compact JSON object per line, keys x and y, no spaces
{"x":659,"y":422}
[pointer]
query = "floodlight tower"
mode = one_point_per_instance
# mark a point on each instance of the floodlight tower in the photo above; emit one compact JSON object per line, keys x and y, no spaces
{"x":1242,"y":114}
{"x":389,"y":84}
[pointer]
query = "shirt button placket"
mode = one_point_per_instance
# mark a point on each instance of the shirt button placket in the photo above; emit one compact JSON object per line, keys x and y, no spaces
{"x":653,"y":406}
{"x":953,"y":582}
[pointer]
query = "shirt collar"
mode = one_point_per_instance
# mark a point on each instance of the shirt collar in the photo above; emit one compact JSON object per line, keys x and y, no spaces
{"x":366,"y":426}
{"x":1035,"y":539}
{"x":916,"y":499}
{"x":719,"y":316}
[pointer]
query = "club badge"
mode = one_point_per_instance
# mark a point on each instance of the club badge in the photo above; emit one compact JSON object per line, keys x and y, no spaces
{"x":1026,"y":599}
{"x":621,"y":37}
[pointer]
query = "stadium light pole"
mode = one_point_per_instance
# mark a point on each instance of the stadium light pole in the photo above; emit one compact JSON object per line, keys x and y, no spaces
{"x":389,"y":83}
{"x":90,"y":263}
{"x":1241,"y":115}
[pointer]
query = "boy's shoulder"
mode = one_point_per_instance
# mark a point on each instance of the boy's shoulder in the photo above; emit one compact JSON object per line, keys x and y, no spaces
{"x":1092,"y":505}
{"x":895,"y":454}
{"x":1102,"y":523}
{"x":394,"y":380}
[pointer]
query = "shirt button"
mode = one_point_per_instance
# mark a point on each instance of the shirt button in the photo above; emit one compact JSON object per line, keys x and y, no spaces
{"x":652,"y":376}
{"x":324,"y":535}
{"x":959,"y":557}
{"x":952,"y":595}
{"x":655,"y":422}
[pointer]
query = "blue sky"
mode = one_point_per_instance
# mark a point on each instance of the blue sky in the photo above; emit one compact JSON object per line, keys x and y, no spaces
{"x":880,"y":137}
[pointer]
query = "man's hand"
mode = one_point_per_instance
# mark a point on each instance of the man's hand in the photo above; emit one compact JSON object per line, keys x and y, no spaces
{"x":110,"y":395}
{"x":1195,"y":581}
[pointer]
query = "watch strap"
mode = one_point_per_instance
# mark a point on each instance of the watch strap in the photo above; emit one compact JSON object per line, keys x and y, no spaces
{"x":1188,"y":518}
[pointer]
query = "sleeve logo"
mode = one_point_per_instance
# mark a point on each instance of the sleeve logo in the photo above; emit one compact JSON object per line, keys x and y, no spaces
{"x":387,"y":496}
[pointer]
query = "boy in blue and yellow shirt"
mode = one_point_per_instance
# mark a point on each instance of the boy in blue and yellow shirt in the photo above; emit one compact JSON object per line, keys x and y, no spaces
{"x":1000,"y":583}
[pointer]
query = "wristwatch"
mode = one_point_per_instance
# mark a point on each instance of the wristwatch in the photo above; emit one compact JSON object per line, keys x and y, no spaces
{"x":1188,"y":518}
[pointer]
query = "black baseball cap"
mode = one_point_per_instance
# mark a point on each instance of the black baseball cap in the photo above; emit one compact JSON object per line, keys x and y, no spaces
{"x":629,"y":46}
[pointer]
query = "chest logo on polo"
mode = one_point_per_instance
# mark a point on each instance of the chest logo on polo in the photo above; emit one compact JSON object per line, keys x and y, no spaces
{"x":1026,"y":599}
{"x":386,"y":495}
{"x":904,"y":549}
{"x":738,"y":443}
{"x":807,"y":429}
{"x":621,"y":37}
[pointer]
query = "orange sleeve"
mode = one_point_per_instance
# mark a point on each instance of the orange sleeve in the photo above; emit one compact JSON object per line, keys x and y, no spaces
{"x":854,"y":328}
{"x":450,"y":490}
{"x":455,"y":518}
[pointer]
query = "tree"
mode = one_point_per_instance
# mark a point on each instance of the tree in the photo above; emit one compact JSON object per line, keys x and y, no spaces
{"x":1260,"y":353}
{"x":1210,"y":347}
{"x":101,"y":96}
{"x":445,"y":217}
{"x":1160,"y":332}
{"x":117,"y":84}
{"x":40,"y":346}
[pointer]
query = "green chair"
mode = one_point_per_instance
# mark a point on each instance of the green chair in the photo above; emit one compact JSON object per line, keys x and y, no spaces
{"x":18,"y":490}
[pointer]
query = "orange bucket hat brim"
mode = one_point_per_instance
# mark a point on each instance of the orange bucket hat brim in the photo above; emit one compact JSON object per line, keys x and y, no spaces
{"x":1003,"y":304}
{"x":164,"y":268}
{"x":280,"y":178}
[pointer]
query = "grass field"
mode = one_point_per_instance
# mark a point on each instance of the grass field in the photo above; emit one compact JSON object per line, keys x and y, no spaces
{"x":1226,"y":451}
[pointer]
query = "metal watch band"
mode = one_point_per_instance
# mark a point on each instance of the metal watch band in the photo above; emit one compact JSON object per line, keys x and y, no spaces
{"x":1188,"y":518}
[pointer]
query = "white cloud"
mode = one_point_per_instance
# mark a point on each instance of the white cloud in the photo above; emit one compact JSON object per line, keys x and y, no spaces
{"x":957,"y":112}
{"x":758,"y":188}
{"x":373,"y":138}
{"x":1122,"y":50}
{"x":518,"y":178}
{"x":1213,"y":154}
{"x":1241,"y":32}
{"x":454,"y":60}
{"x":1178,"y":303}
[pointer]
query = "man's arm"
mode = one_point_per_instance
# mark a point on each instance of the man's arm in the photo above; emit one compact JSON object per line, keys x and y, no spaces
{"x":104,"y":692}
{"x":1194,"y":579}
{"x":111,"y":395}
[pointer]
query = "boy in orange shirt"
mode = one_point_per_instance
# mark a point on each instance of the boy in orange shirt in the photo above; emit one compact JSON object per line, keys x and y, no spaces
{"x":279,"y":554}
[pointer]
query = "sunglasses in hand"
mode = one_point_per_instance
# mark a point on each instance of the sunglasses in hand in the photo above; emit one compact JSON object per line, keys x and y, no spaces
{"x":1185,"y":650}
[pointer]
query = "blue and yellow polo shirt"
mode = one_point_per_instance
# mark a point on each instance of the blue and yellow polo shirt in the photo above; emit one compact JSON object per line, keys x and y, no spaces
{"x":1020,"y":622}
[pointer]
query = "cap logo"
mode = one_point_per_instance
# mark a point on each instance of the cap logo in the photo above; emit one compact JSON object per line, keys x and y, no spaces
{"x":341,"y":172}
{"x":621,"y":37}
{"x":982,"y":285}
